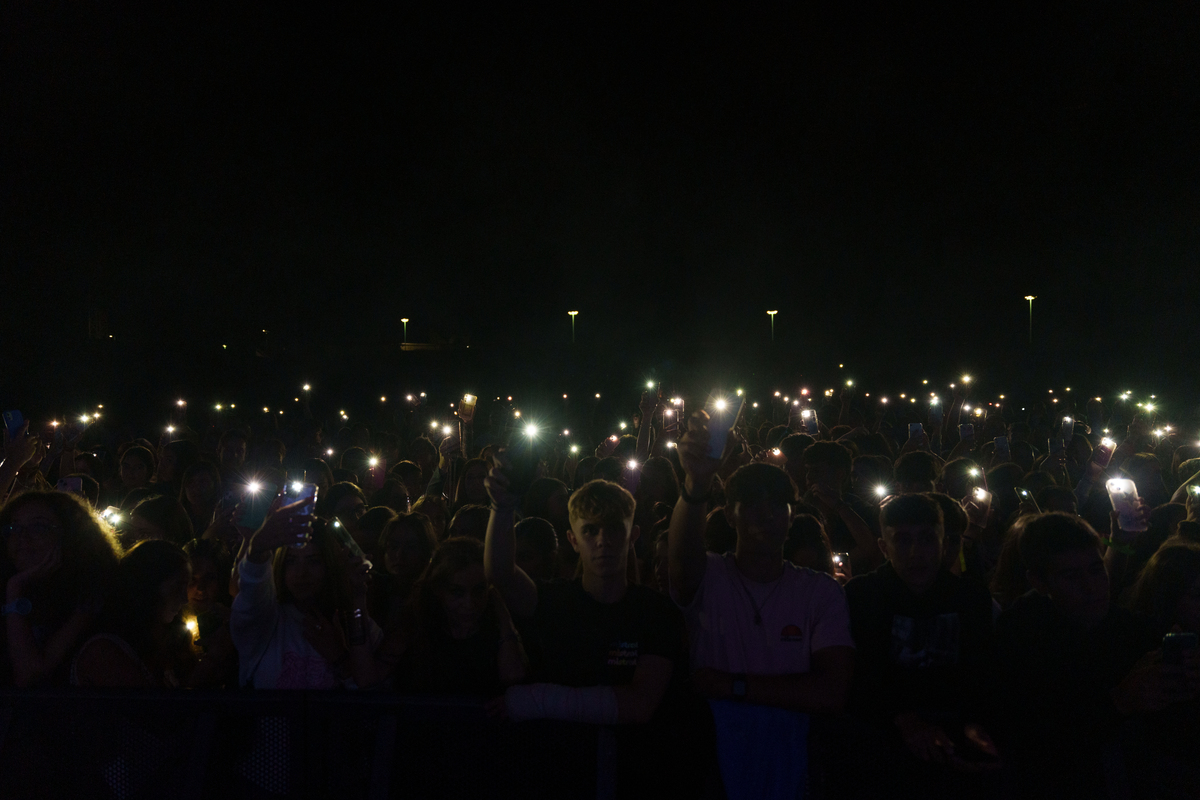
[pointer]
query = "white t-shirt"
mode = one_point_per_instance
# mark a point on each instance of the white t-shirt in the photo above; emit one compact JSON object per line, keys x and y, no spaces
{"x":804,"y":611}
{"x":269,"y":637}
{"x":739,"y":626}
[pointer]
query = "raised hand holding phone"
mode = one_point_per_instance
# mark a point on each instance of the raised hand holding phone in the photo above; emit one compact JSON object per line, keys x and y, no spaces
{"x":283,"y":526}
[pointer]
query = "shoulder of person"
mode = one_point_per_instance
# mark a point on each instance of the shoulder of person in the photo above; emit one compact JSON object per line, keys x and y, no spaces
{"x":649,"y":599}
{"x":1026,"y":610}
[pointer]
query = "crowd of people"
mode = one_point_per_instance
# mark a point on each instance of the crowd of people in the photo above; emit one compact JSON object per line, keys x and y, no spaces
{"x":831,"y":599}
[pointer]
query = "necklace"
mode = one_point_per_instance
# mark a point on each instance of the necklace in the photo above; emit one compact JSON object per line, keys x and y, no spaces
{"x":749,"y":596}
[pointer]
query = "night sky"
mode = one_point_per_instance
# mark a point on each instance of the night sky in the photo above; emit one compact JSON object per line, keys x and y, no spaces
{"x":893,"y":181}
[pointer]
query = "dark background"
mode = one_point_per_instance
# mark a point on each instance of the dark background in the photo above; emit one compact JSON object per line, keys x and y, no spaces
{"x":893,"y":180}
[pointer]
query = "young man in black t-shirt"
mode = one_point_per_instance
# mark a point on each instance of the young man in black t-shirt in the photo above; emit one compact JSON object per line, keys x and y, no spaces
{"x":924,"y":647}
{"x":1074,"y":666}
{"x":604,"y":651}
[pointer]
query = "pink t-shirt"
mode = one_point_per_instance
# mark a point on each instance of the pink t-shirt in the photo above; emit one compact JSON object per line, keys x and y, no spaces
{"x":805,"y":611}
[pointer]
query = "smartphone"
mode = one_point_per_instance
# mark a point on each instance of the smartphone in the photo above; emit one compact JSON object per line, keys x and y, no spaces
{"x":983,"y":498}
{"x":839,"y":558}
{"x":1068,"y":429}
{"x":376,"y":473}
{"x":723,"y":416}
{"x":1023,"y":496}
{"x":936,"y":414}
{"x":256,"y":502}
{"x":342,"y":535}
{"x":1057,"y":448}
{"x":1104,"y":452}
{"x":523,"y":462}
{"x":13,"y":420}
{"x":915,"y":429}
{"x":811,"y":426}
{"x":298,"y":490}
{"x":1003,"y":454}
{"x":1123,"y":494}
{"x":467,"y":405}
{"x":70,"y":485}
{"x":1174,"y":645}
{"x":966,"y":432}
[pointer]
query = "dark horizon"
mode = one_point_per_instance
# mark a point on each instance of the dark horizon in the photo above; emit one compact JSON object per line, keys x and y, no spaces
{"x":893,"y":182}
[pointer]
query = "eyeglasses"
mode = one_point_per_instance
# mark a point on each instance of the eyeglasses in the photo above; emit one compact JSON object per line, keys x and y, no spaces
{"x":37,"y":530}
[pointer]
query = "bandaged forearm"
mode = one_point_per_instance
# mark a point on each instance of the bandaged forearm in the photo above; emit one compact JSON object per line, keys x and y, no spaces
{"x":594,"y":704}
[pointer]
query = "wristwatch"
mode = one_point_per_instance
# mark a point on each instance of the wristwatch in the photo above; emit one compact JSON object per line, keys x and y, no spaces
{"x":22,"y":606}
{"x":739,"y":686}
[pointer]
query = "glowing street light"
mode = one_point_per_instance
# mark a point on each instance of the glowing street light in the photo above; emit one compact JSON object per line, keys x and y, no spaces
{"x":573,"y":315}
{"x":772,"y":314}
{"x":1031,"y":298}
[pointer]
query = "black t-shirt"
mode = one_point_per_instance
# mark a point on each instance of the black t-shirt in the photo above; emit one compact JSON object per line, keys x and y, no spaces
{"x":575,"y":640}
{"x":1056,"y":683}
{"x":928,"y":653}
{"x":441,"y":664}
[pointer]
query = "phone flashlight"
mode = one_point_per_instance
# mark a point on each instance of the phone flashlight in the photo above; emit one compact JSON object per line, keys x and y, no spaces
{"x":980,"y":494}
{"x":531,"y":431}
{"x":433,"y":424}
{"x":253,"y":486}
{"x":973,"y":472}
{"x":193,"y":627}
{"x":777,"y":452}
{"x":621,"y":426}
{"x":372,"y":462}
{"x":632,"y":464}
{"x":1194,"y":489}
{"x":297,"y":486}
{"x":881,"y":491}
{"x":329,"y":452}
{"x":720,"y":405}
{"x":446,"y":430}
{"x":574,"y":448}
{"x":806,"y":413}
{"x":170,"y":429}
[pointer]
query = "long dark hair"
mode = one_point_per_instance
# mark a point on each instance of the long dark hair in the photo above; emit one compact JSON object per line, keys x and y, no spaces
{"x":335,"y":592}
{"x":90,"y":552}
{"x":133,"y":606}
{"x":452,"y":555}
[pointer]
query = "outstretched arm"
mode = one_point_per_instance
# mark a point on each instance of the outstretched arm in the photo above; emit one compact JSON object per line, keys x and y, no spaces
{"x":500,"y":549}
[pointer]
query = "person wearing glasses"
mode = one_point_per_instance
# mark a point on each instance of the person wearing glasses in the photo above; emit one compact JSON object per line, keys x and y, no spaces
{"x":57,"y":562}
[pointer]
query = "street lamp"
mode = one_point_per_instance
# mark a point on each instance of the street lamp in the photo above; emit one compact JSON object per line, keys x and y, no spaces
{"x":1030,"y":298}
{"x":405,"y":321}
{"x":772,"y":314}
{"x":573,"y":315}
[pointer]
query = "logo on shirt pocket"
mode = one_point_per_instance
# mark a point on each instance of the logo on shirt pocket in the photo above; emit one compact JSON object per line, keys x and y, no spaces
{"x":791,"y":633}
{"x":623,"y":654}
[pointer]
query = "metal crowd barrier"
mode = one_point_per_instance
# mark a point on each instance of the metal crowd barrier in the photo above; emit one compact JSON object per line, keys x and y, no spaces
{"x":187,"y":745}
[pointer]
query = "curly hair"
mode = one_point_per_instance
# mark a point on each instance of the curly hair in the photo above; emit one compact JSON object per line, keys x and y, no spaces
{"x":90,"y":552}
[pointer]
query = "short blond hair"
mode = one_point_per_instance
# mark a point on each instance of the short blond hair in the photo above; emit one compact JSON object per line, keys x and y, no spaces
{"x":601,"y":500}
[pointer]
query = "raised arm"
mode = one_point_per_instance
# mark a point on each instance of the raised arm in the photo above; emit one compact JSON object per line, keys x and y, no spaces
{"x":647,"y":407}
{"x":687,"y":559}
{"x":500,"y":548}
{"x":33,"y":662}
